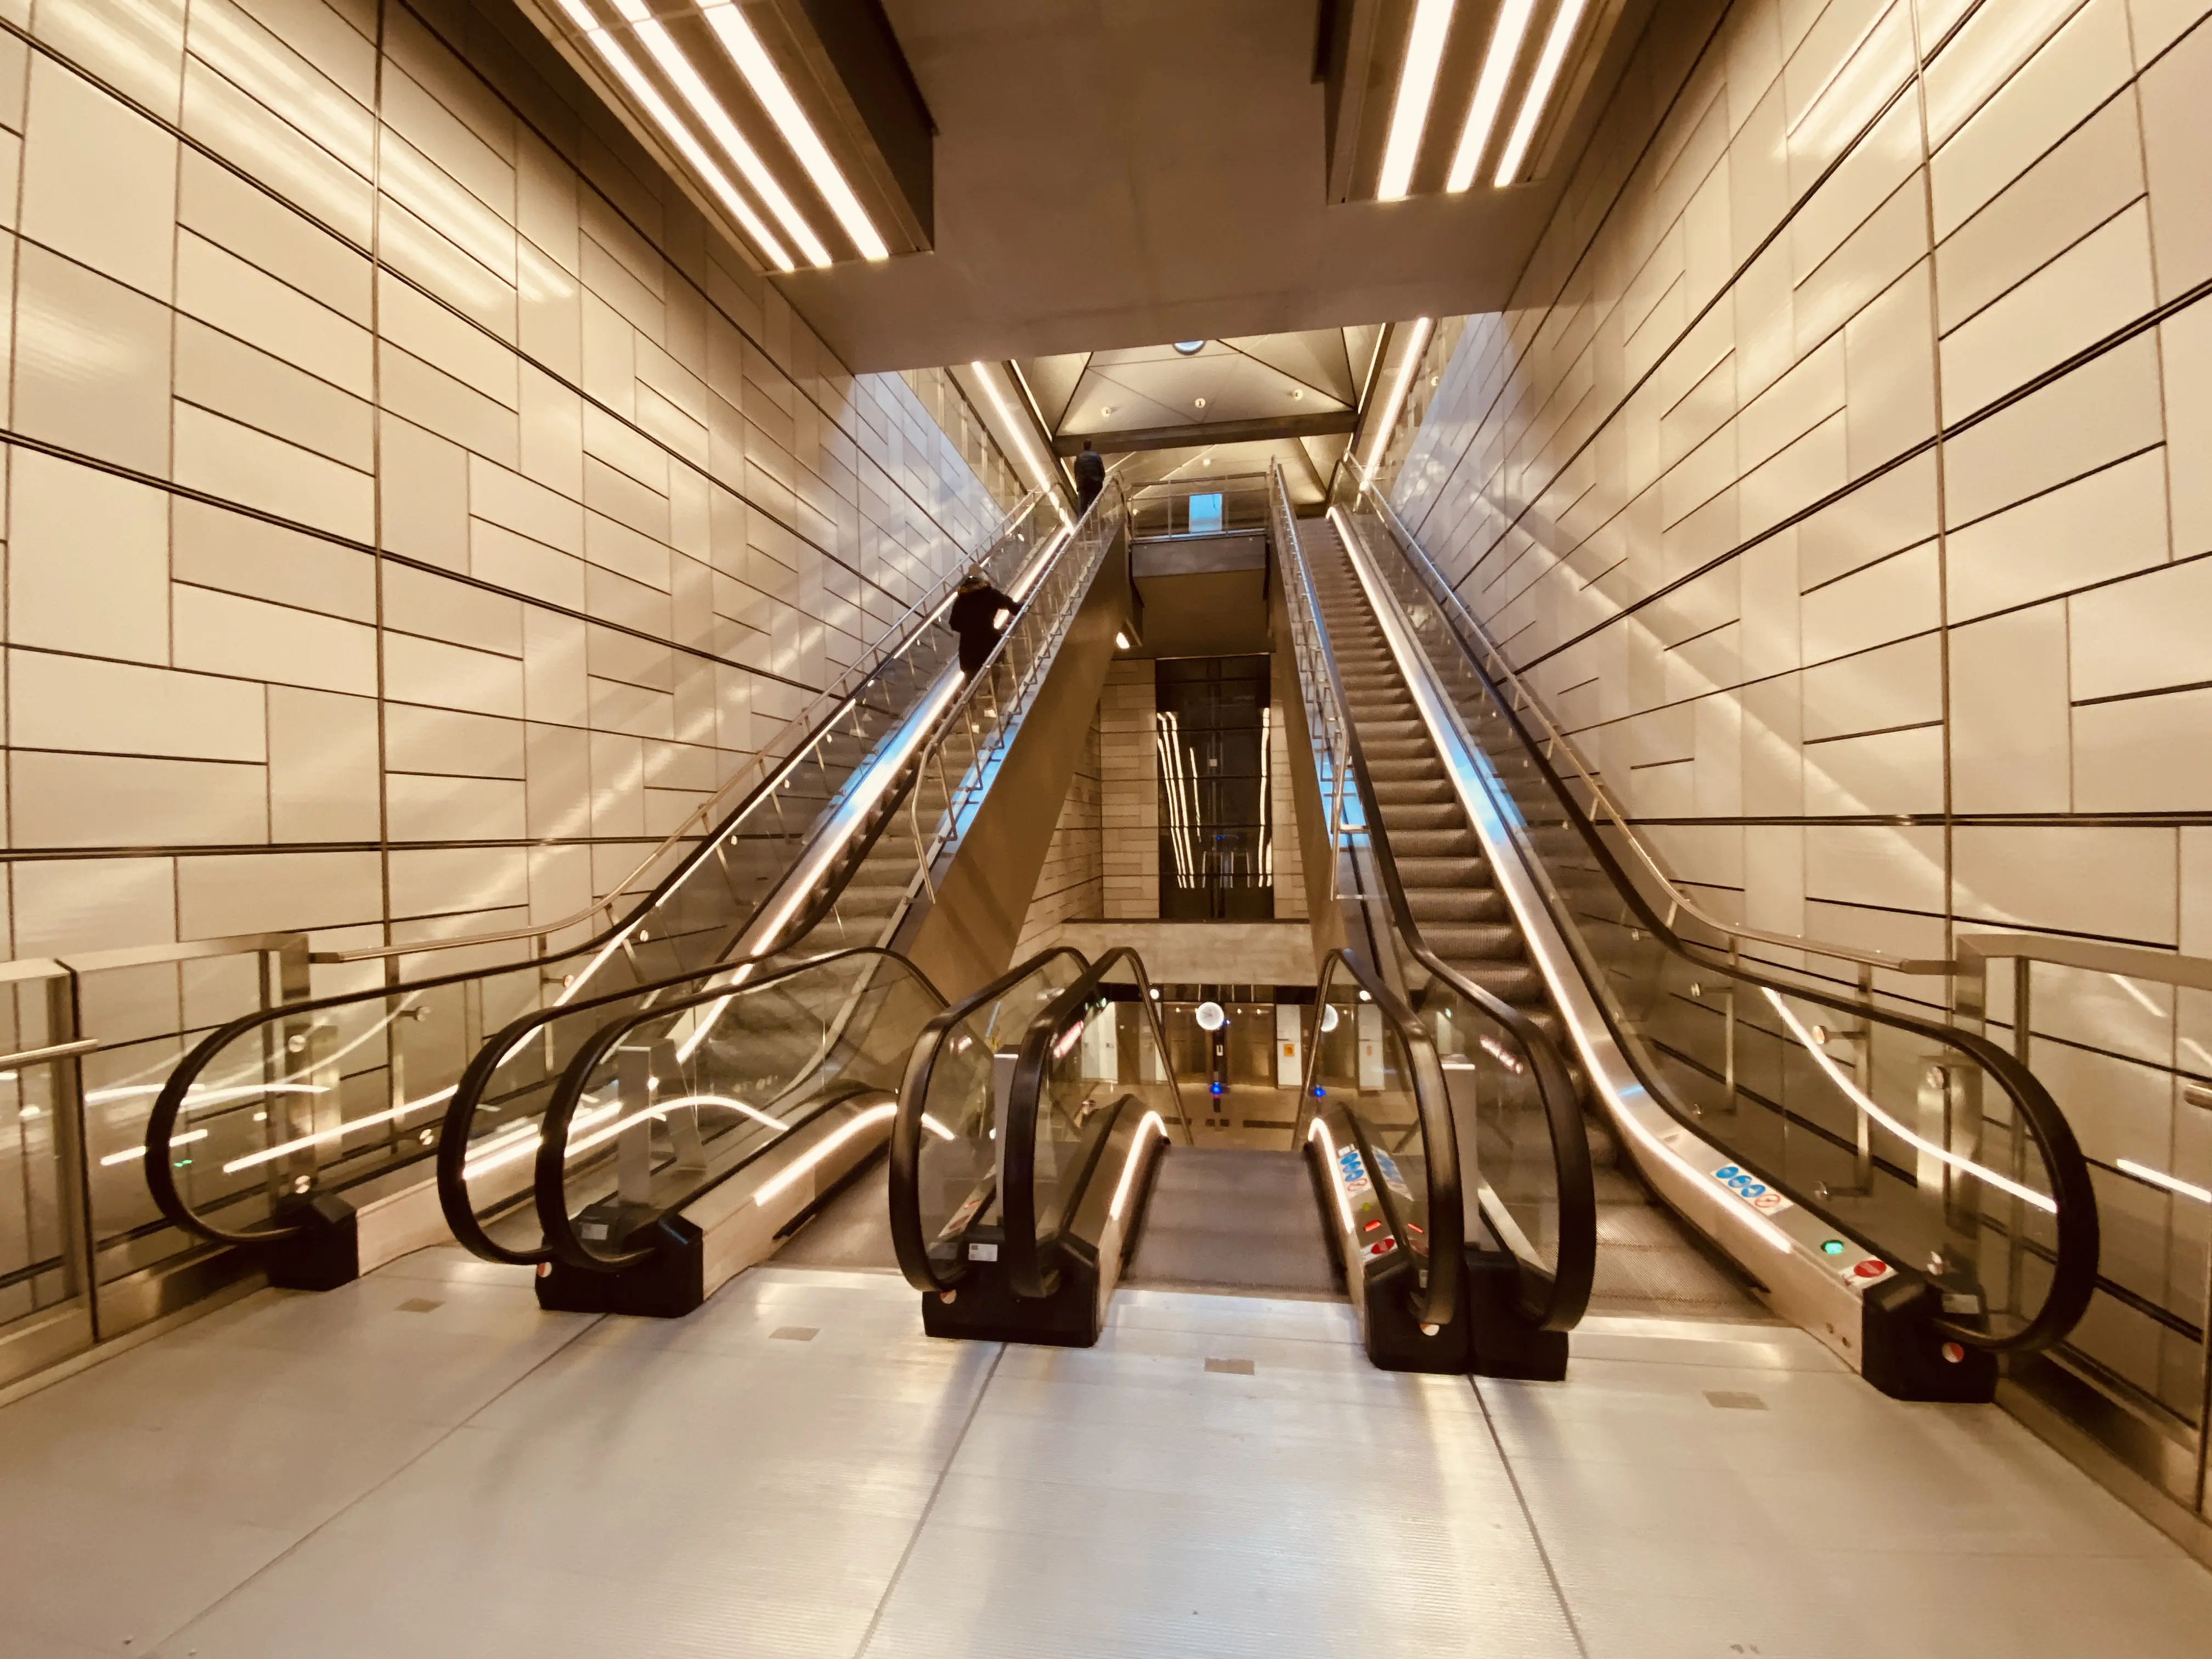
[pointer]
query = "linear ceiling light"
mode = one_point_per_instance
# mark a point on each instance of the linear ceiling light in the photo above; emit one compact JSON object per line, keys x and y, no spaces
{"x":1490,"y":91}
{"x":676,"y":133}
{"x":768,"y":86}
{"x":1407,"y":368}
{"x":1042,"y":477}
{"x":1417,"y":84}
{"x":1540,"y":89}
{"x":704,"y":105}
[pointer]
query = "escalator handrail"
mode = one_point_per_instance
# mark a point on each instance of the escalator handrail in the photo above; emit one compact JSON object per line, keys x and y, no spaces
{"x":565,"y":1244}
{"x":454,"y":1195}
{"x":1027,"y":1272}
{"x":2075,"y":1264}
{"x":1446,"y":1248}
{"x":169,"y":1102}
{"x":908,"y":1243}
{"x":1567,"y":1296}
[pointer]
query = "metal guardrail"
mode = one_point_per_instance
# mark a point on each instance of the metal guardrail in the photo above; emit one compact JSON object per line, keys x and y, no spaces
{"x":86,"y":1257}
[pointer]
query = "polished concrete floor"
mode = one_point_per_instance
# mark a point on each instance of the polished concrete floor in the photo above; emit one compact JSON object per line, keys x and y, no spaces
{"x":423,"y":1464}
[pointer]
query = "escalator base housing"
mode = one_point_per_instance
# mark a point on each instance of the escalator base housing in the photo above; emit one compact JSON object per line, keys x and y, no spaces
{"x":1903,"y":1354}
{"x":984,"y":1308}
{"x":667,"y":1284}
{"x":324,"y":1254}
{"x":1500,"y":1341}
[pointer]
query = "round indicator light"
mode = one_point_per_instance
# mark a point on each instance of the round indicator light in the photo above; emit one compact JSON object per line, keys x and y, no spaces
{"x":1832,"y":1247}
{"x":1953,"y":1353}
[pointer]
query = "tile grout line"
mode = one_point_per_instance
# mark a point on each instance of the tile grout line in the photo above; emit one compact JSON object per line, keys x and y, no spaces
{"x":922,"y":1521}
{"x":361,"y":1497}
{"x":1535,"y":1536}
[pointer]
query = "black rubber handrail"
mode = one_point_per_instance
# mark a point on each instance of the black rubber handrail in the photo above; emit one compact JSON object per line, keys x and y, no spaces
{"x":168,"y":1104}
{"x":1028,"y":1272}
{"x":1446,"y":1247}
{"x":549,"y":1185}
{"x":908,"y":1243}
{"x":2074,"y":1270}
{"x":1560,"y":1296}
{"x":454,"y":1195}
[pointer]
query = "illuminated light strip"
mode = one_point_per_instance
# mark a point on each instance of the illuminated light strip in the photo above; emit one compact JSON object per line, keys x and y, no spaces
{"x":1941,"y":1154}
{"x":768,"y":86}
{"x":937,"y":1128}
{"x":1046,"y":479}
{"x":677,"y":68}
{"x":517,"y":1140}
{"x":1409,"y":366}
{"x":130,"y":1152}
{"x":1417,"y":85}
{"x":654,"y":104}
{"x":197,"y":1096}
{"x":1335,"y":1174}
{"x":1151,"y":1121}
{"x":804,"y":1165}
{"x":1540,"y":89}
{"x":1490,"y":92}
{"x":753,"y":1112}
{"x":2140,"y":1171}
{"x":252,"y":1159}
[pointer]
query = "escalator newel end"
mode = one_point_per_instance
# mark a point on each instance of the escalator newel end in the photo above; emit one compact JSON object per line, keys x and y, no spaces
{"x":1904,"y":1353}
{"x":1501,"y":1342}
{"x":323,"y":1253}
{"x":667,"y":1284}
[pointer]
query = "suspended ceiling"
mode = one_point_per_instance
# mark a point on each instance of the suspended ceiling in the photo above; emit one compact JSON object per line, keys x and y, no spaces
{"x":1114,"y":173}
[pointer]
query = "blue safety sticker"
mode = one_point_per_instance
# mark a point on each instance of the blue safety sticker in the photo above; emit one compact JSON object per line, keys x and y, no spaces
{"x":1751,"y":1189}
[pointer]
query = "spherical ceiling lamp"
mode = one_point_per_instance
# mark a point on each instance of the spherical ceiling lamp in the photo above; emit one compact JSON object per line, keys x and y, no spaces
{"x":1210,"y":1017}
{"x":1190,"y":348}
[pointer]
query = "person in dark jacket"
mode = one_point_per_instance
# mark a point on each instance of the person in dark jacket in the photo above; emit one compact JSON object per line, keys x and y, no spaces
{"x":1089,"y":469}
{"x":979,"y":615}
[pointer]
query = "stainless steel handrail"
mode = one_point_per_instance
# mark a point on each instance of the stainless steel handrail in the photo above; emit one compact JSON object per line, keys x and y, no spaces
{"x":750,"y":776}
{"x":1556,"y":745}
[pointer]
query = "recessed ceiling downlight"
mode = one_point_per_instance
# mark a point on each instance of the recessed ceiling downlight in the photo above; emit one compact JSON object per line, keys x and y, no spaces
{"x":1190,"y":348}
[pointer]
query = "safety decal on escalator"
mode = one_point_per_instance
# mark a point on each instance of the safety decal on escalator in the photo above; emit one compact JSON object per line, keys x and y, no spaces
{"x":1751,"y":1189}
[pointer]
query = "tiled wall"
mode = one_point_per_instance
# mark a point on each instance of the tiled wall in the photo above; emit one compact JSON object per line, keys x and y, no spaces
{"x":413,"y":509}
{"x":1129,"y":793}
{"x":1842,"y":473}
{"x":1071,"y":884}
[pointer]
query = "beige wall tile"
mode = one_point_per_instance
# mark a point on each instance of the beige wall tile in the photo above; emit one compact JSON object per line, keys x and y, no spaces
{"x":2010,"y":735}
{"x":100,"y":180}
{"x":87,"y":560}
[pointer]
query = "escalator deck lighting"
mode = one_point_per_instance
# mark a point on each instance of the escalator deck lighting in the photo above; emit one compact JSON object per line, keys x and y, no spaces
{"x":1832,"y":1247}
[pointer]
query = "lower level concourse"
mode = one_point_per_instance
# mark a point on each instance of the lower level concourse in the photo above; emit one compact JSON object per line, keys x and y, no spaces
{"x":423,"y":1462}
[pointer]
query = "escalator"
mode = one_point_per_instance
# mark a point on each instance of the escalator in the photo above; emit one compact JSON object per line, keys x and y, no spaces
{"x":311,"y":1133}
{"x":1436,"y":1174}
{"x":1900,"y":1187}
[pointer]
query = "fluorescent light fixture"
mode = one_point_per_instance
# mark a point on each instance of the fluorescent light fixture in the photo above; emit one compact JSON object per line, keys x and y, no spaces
{"x":768,"y":86}
{"x":704,"y":105}
{"x":650,"y":101}
{"x":1407,"y":367}
{"x":805,"y":1165}
{"x":1540,"y":89}
{"x":2140,"y":1171}
{"x":1041,"y":474}
{"x":1865,"y":1103}
{"x":1490,"y":91}
{"x":1417,"y":85}
{"x":1151,"y":1120}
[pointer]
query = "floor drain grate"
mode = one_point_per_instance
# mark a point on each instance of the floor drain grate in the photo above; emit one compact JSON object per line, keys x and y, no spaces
{"x":1728,"y":1400}
{"x":794,"y":1333}
{"x":1231,"y":1367}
